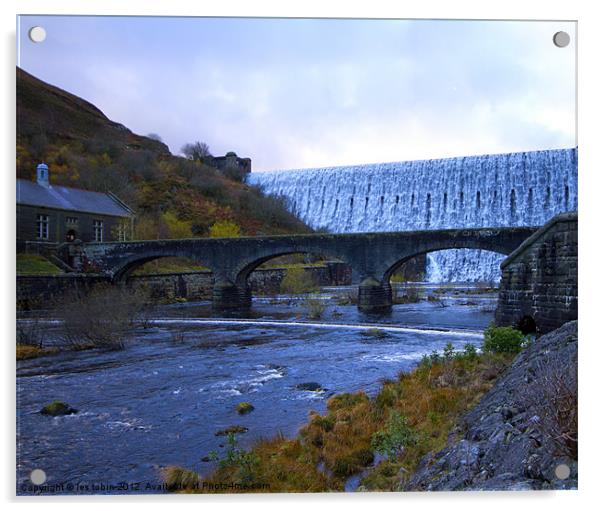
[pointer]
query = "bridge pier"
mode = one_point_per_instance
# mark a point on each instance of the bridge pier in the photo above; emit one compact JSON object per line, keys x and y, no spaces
{"x":374,"y":296}
{"x":229,"y":296}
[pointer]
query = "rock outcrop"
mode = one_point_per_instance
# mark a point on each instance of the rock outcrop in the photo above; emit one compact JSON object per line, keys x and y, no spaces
{"x":522,"y":434}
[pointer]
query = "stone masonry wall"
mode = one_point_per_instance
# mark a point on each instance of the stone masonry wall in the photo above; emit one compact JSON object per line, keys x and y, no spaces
{"x":35,"y":292}
{"x":199,"y":285}
{"x":539,"y":279}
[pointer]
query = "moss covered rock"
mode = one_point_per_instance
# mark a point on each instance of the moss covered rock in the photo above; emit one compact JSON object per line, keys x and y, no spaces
{"x":244,"y":407}
{"x":311,"y":386}
{"x":231,"y":429}
{"x":57,"y":408}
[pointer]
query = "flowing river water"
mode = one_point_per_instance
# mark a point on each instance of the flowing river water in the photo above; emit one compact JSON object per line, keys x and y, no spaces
{"x":161,"y":400}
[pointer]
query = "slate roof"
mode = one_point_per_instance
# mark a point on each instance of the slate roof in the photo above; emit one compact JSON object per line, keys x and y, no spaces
{"x":71,"y":199}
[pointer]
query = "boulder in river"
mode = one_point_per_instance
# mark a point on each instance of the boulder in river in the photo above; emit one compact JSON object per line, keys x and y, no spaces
{"x":57,"y":408}
{"x":231,"y":429}
{"x":312,"y":386}
{"x":244,"y":407}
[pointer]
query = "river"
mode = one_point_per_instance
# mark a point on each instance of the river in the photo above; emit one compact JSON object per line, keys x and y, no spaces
{"x":161,"y":400}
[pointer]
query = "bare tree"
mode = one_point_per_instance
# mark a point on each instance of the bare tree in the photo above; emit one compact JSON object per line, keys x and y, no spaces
{"x":103,"y":318}
{"x":198,"y":151}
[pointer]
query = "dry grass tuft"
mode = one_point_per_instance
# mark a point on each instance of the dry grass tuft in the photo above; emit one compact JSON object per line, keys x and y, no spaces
{"x":26,"y":351}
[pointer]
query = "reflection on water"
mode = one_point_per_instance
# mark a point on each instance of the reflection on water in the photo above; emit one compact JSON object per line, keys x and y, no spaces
{"x":160,"y":403}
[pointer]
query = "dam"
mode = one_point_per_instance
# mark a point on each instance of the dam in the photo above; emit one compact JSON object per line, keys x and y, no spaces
{"x":522,"y":189}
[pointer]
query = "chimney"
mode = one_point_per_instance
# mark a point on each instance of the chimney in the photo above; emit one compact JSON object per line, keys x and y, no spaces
{"x":42,"y":172}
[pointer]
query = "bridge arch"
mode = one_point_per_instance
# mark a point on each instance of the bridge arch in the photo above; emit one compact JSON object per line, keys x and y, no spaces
{"x":248,"y":267}
{"x":128,"y":265}
{"x":392,"y":264}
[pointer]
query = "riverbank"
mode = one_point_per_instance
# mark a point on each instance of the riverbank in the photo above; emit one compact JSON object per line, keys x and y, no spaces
{"x":386,"y":443}
{"x":161,"y":400}
{"x":523,"y":434}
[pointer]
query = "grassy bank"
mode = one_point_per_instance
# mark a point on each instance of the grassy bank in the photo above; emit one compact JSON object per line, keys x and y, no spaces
{"x":25,"y":351}
{"x":32,"y":264}
{"x":411,"y":416}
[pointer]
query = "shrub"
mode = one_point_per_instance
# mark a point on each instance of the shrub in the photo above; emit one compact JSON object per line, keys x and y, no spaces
{"x":555,"y":401}
{"x":448,"y":351}
{"x":396,"y":436}
{"x":271,"y":212}
{"x":104,"y":318}
{"x":470,"y":351}
{"x":297,"y":281}
{"x":387,"y":396}
{"x":502,"y":339}
{"x":244,"y":462}
{"x":346,"y":400}
{"x":225,"y":229}
{"x":408,"y":294}
{"x":325,"y":423}
{"x":177,"y":228}
{"x":314,"y":307}
{"x":31,"y":333}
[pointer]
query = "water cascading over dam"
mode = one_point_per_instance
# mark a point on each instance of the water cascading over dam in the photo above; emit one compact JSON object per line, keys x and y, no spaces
{"x":499,"y":190}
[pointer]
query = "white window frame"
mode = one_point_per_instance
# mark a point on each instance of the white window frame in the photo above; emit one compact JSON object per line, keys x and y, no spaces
{"x":98,"y":230}
{"x":122,"y":232}
{"x":43,"y":226}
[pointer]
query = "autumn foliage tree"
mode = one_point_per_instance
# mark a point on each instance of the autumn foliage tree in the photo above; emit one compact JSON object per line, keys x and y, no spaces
{"x":225,"y":229}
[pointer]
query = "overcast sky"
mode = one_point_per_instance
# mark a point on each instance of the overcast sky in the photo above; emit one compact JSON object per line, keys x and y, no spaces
{"x":314,"y":93}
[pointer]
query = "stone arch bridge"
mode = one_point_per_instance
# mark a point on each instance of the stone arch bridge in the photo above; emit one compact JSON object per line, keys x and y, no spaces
{"x":373,"y":257}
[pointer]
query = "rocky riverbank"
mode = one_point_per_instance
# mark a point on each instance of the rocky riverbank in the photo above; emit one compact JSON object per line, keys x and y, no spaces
{"x":458,"y":421}
{"x":522,"y":434}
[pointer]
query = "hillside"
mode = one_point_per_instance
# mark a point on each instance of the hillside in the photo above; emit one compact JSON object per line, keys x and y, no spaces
{"x":173,"y":197}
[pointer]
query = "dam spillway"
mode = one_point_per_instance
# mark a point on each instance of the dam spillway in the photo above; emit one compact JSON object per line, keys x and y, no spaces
{"x":496,"y":190}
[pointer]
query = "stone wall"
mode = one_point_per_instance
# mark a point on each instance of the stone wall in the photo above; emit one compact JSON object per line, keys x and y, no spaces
{"x":45,"y":291}
{"x":35,"y":292}
{"x":199,"y":285}
{"x":539,"y":279}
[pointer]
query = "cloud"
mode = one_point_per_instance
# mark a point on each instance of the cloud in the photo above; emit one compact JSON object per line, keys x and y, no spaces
{"x":300,"y":93}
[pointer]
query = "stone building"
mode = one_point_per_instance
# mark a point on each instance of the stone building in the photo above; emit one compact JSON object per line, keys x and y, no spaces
{"x":232,"y":161}
{"x":48,"y":214}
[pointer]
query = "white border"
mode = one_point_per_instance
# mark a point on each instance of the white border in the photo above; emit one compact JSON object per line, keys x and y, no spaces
{"x":590,"y":167}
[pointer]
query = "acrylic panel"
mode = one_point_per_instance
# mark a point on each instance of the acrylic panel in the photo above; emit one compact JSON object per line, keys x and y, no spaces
{"x":295,"y":255}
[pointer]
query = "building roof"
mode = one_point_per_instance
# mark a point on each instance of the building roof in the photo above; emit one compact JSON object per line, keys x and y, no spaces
{"x":72,"y":199}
